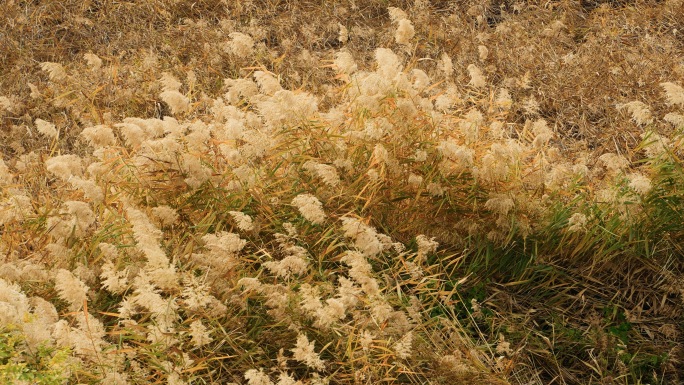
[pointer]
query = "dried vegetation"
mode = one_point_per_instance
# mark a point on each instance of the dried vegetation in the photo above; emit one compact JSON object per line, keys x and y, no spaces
{"x":338,"y":192}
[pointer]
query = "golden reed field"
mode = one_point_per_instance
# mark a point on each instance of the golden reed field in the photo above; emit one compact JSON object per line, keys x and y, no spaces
{"x":281,"y":192}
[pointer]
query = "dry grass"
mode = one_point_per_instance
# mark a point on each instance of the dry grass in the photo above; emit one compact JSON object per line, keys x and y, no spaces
{"x":602,"y":305}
